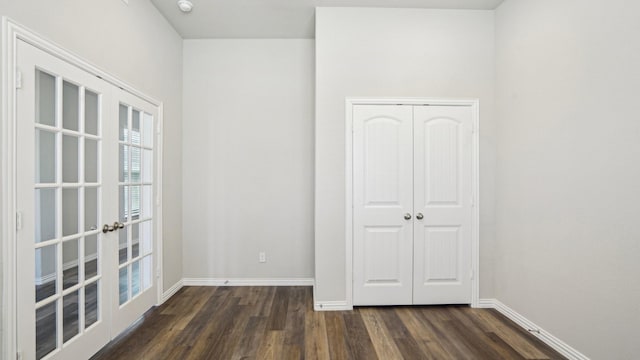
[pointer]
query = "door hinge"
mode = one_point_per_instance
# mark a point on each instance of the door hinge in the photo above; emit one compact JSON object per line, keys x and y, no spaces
{"x":18,"y":79}
{"x":18,"y":221}
{"x":471,"y":274}
{"x":19,"y":355}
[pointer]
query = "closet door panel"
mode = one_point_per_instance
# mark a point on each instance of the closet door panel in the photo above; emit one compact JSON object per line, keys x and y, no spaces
{"x":383,"y":183}
{"x":442,"y":201}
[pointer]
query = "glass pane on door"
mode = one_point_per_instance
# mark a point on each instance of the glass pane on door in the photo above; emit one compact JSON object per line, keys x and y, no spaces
{"x":70,"y":262}
{"x":70,"y":107}
{"x":46,"y":99}
{"x":45,"y":156}
{"x":135,"y":202}
{"x":90,"y":304}
{"x":90,"y":160}
{"x":46,"y":329}
{"x":69,"y":159}
{"x":91,"y":112}
{"x":46,"y":272}
{"x":67,"y":193}
{"x":70,"y":315}
{"x":45,"y":219}
{"x":90,"y":256}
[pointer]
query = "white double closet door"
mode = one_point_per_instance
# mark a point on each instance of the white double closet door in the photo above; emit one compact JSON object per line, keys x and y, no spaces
{"x":412,"y":199}
{"x":85,"y":180}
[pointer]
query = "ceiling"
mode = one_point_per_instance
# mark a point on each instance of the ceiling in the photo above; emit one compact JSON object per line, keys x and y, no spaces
{"x":255,"y":19}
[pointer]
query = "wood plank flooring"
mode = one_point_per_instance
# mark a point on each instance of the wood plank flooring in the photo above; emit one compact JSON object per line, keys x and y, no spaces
{"x":279,"y":323}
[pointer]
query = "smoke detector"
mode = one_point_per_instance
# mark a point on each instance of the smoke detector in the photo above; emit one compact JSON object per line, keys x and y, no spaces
{"x":185,"y":6}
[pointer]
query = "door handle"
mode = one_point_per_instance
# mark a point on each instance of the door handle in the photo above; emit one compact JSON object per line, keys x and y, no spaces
{"x":407,"y":216}
{"x":106,"y":228}
{"x":109,"y":228}
{"x":419,"y":216}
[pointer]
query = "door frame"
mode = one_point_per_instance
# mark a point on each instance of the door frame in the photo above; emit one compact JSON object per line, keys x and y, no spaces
{"x":350,"y":102}
{"x":12,"y":32}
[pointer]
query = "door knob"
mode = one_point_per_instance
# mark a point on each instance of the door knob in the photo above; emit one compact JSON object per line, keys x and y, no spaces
{"x":419,"y":216}
{"x":106,"y":228}
{"x":109,"y":228}
{"x":407,"y":216}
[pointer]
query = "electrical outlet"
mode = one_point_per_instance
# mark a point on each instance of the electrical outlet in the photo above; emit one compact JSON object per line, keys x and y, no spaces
{"x":262,"y":257}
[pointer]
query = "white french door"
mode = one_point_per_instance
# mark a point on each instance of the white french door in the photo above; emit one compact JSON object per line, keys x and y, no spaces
{"x":135,"y":261}
{"x":85,"y":186}
{"x":412,"y":204}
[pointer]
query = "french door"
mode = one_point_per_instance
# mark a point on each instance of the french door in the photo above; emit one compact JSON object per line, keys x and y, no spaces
{"x":85,"y":198}
{"x":412,"y":199}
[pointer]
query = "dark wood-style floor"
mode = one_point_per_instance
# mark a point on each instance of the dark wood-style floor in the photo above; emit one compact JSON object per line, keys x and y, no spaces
{"x":279,"y":323}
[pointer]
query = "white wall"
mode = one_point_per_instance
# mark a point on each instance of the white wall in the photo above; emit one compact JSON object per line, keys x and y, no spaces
{"x":136,"y":44}
{"x":394,"y":53}
{"x":568,"y":179}
{"x":248,"y":158}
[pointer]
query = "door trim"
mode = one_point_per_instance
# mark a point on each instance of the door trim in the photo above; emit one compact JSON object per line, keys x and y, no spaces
{"x":350,"y":102}
{"x":12,"y":32}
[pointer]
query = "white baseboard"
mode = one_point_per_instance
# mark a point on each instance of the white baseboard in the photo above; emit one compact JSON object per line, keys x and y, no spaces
{"x":546,"y":337}
{"x":331,"y":306}
{"x":171,"y":291}
{"x":486,"y":304}
{"x":247,"y":282}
